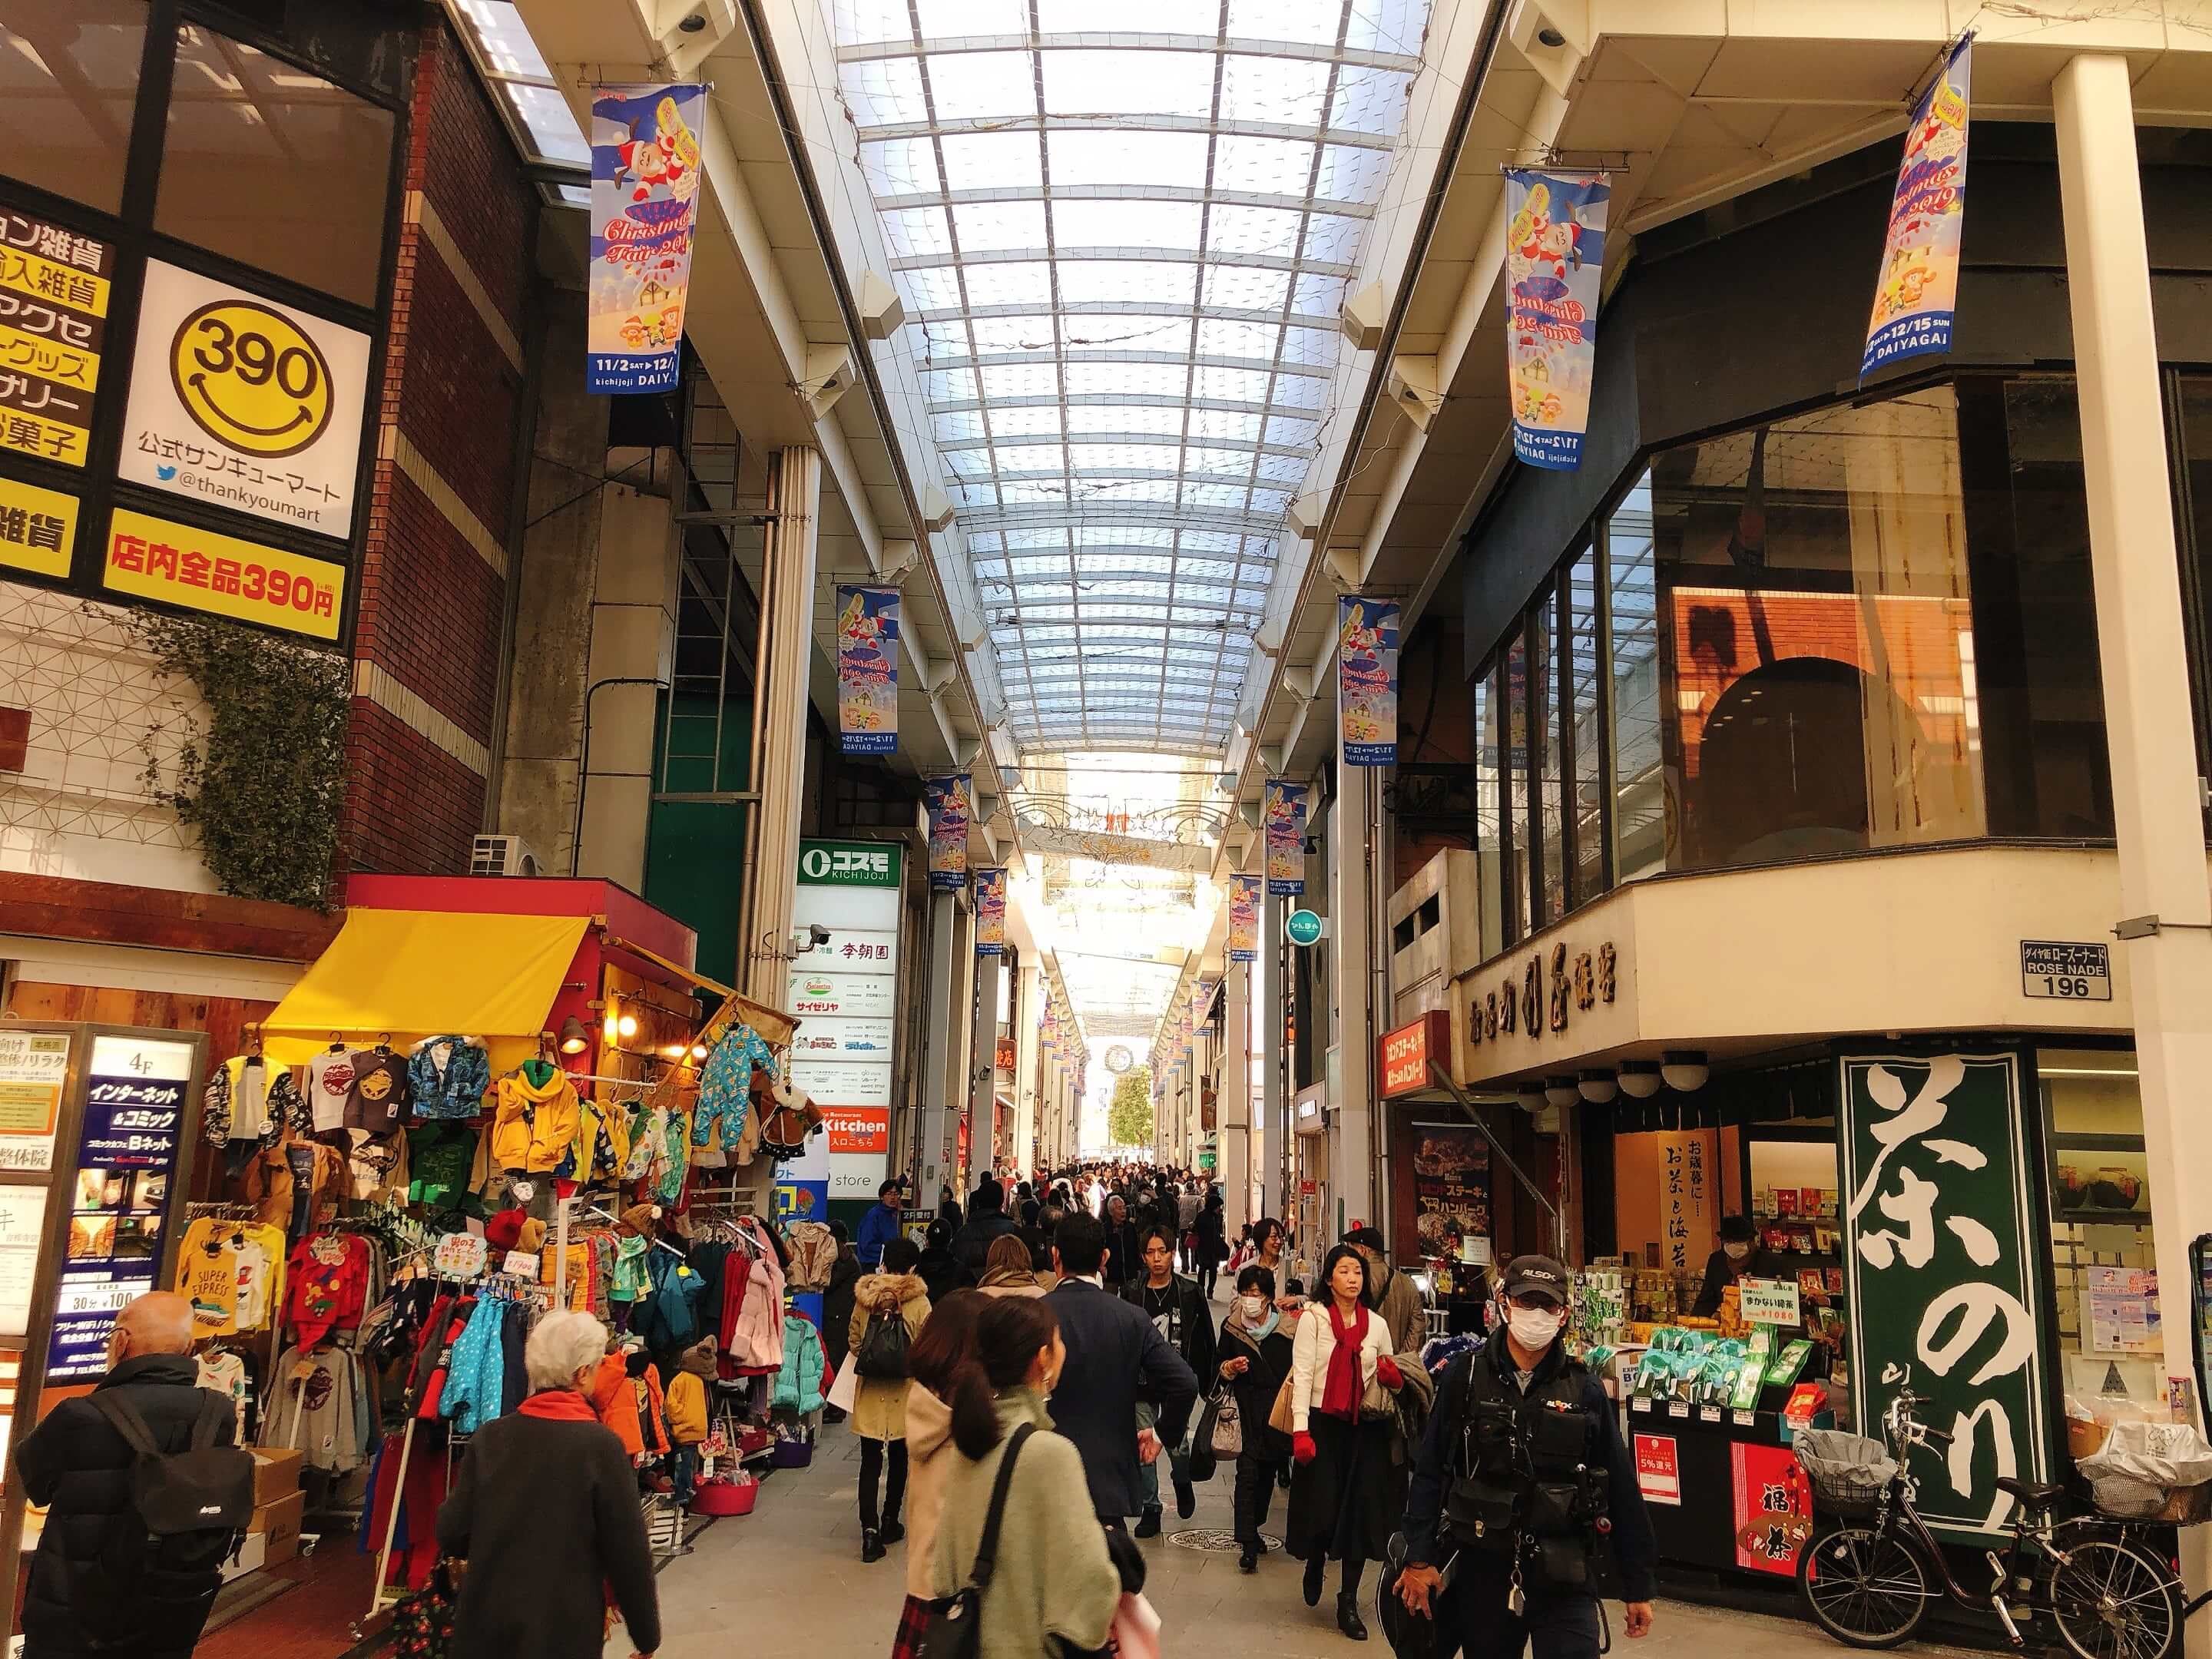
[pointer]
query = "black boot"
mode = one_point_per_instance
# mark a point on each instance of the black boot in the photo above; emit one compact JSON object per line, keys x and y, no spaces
{"x":1185,"y":1498}
{"x":1148,"y":1523}
{"x":1249,"y":1560}
{"x":1314,"y":1568}
{"x":872,"y":1545}
{"x":1347,"y":1616}
{"x":892,"y":1533}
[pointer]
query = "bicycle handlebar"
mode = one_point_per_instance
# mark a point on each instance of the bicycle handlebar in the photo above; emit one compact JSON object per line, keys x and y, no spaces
{"x":1937,"y":1435}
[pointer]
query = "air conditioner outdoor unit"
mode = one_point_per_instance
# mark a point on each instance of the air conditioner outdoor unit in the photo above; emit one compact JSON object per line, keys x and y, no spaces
{"x":502,"y":855}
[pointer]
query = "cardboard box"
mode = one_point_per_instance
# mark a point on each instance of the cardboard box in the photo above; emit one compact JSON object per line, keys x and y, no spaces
{"x":279,"y":1525}
{"x":276,"y":1474}
{"x":252,"y":1556}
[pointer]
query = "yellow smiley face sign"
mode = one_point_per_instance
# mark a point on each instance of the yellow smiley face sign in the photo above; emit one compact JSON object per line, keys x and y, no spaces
{"x":251,"y":379}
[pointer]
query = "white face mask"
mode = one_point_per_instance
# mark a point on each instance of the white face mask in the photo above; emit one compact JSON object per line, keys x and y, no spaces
{"x":1255,"y":1308}
{"x":1737,"y":1252}
{"x":1534,"y":1328}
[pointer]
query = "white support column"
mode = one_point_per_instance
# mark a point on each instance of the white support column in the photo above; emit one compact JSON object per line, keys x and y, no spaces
{"x":1272,"y":1097}
{"x":633,"y":639}
{"x":1232,"y":1112}
{"x":794,"y":504}
{"x":1351,"y":1174}
{"x":1029,"y":1109}
{"x":938,"y":1052}
{"x":961,"y":1053}
{"x":2156,"y":815}
{"x":983,"y":1074}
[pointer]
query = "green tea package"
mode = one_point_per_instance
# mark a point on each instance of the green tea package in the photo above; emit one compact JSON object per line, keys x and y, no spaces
{"x":1787,"y":1363}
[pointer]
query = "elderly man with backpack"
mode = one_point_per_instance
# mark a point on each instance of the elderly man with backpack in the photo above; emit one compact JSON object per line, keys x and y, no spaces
{"x":146,"y":1495}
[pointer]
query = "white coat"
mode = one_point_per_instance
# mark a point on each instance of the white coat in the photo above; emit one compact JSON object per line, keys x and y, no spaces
{"x":1312,"y":1350}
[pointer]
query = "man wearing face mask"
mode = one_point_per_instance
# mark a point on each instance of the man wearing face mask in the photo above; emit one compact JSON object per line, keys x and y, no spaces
{"x":1740,"y":1257}
{"x":1521,"y":1474}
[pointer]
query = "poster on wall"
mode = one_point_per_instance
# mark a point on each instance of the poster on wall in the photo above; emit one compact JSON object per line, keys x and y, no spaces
{"x":867,"y":670}
{"x":55,"y":286}
{"x":845,"y":987}
{"x":860,"y":1150}
{"x":1947,"y":1271}
{"x":1555,"y":269}
{"x":990,"y":913}
{"x":126,"y":1162}
{"x":645,"y":189}
{"x":241,"y":402}
{"x":1917,"y":291}
{"x":1367,"y":679}
{"x":34,"y":1066}
{"x":1658,"y":1468}
{"x":1452,"y":1188}
{"x":1773,"y":1507}
{"x":946,"y":801}
{"x":1283,"y":813}
{"x":1243,"y":918}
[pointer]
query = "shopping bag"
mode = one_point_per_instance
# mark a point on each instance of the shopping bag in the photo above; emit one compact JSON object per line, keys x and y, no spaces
{"x":1280,"y":1418}
{"x":845,"y":1389}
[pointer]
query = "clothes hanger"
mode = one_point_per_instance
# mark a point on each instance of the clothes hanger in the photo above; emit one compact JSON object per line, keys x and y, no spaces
{"x":338,"y":1044}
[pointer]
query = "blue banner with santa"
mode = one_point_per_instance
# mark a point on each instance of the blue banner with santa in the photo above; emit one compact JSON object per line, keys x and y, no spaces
{"x":1367,"y":679}
{"x":1554,"y":265}
{"x":867,"y":670}
{"x":645,"y":190}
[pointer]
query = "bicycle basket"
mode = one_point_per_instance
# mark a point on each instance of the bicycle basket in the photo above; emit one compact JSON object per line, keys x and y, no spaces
{"x":2124,"y":1498}
{"x":1848,"y":1472}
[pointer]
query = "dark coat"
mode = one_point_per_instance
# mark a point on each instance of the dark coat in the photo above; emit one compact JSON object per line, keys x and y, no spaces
{"x":942,"y":1274}
{"x":1113,"y":1351}
{"x":1191,"y":1316}
{"x":545,"y":1512}
{"x":1761,"y":1263}
{"x":87,"y":1566}
{"x":1125,"y":1251}
{"x":837,"y":1308}
{"x":1212,"y":1242}
{"x":1263,"y":1380}
{"x":972,"y":1245}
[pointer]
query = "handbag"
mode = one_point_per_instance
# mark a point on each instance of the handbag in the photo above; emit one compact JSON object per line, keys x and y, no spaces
{"x":1223,"y":1427}
{"x":1278,"y":1417}
{"x":844,"y":1389}
{"x":882,"y":1356}
{"x":954,"y":1629}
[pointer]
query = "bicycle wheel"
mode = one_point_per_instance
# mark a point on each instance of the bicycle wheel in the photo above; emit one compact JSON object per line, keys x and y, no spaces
{"x":2111,"y":1600}
{"x":1866,"y":1589}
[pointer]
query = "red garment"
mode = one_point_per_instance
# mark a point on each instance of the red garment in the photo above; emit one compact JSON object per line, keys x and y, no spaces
{"x":1347,"y":1385}
{"x":615,"y":1402}
{"x":438,"y":1345}
{"x":414,"y":1547}
{"x":326,"y":1284}
{"x":561,"y":1404}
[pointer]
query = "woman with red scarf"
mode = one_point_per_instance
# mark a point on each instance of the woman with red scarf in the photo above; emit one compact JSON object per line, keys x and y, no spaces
{"x":1345,"y":1494}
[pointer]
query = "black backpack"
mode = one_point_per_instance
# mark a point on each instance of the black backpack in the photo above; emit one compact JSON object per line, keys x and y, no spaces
{"x":883,"y":1351}
{"x":194,"y":1505}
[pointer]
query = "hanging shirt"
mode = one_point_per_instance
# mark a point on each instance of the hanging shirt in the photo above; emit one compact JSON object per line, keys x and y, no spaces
{"x":330,"y":1080}
{"x":226,"y":1373}
{"x":260,"y":1258}
{"x":377,"y":1101}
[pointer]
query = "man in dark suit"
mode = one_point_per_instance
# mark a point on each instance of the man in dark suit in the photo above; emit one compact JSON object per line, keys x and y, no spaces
{"x":1113,"y":1351}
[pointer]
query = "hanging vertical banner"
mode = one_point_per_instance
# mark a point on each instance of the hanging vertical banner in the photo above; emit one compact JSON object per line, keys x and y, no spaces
{"x":1243,"y":918}
{"x":645,"y":189}
{"x":867,"y":670}
{"x":1283,"y":813}
{"x":990,"y":913}
{"x":1918,"y":288}
{"x":1554,"y":263}
{"x":946,"y":800}
{"x":1367,"y":679}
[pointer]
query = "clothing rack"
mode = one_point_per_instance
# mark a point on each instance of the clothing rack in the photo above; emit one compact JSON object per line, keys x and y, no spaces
{"x":657,"y":1244}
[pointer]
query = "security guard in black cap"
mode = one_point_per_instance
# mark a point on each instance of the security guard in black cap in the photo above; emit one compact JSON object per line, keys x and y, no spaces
{"x":1522,"y":1474}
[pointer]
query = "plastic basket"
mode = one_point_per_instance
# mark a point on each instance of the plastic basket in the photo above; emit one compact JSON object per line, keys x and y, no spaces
{"x":1848,"y":1472}
{"x":2124,"y":1499}
{"x":726,"y":1498}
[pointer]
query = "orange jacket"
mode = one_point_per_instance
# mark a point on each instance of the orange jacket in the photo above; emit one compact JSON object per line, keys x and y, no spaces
{"x":615,"y":1405}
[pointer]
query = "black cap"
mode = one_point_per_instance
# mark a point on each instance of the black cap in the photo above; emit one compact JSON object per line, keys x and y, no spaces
{"x":1536,"y":1275}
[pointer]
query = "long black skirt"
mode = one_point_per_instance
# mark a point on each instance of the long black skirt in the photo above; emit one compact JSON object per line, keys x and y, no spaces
{"x":1346,"y":1503}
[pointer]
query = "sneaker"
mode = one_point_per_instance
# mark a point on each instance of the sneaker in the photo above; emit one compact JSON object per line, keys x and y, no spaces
{"x":892,"y":1532}
{"x":1148,"y":1523}
{"x":872,"y":1545}
{"x":1185,"y":1498}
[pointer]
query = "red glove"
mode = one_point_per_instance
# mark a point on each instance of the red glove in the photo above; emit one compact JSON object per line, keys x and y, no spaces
{"x":1303,"y":1447}
{"x":1387,"y":1369}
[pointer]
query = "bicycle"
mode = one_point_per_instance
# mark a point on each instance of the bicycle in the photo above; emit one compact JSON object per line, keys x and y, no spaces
{"x":1868,"y":1581}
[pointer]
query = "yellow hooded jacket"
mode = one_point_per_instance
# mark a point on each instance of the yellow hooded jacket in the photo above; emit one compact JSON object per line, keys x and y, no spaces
{"x":532,"y":1125}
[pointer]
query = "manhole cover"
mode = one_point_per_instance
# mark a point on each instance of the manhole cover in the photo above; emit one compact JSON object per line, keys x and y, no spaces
{"x":1217,"y":1543}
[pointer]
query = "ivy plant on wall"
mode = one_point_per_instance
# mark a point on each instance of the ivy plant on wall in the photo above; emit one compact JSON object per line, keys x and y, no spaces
{"x":262,"y":779}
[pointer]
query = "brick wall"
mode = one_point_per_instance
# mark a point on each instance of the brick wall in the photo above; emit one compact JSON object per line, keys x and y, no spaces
{"x":431,"y":595}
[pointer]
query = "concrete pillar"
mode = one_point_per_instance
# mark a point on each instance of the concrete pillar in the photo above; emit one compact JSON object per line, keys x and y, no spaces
{"x":2155,"y":811}
{"x":939,"y":1057}
{"x":961,"y":1054}
{"x":633,"y":638}
{"x":983,"y":1072}
{"x":1273,"y":1094}
{"x":794,"y":505}
{"x":1028,"y":1110}
{"x":1351,"y":961}
{"x":1232,"y":1113}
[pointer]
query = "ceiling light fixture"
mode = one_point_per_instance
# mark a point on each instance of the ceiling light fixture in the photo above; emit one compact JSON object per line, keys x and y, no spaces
{"x":1685,"y":1069}
{"x":574,"y":1039}
{"x":1597,"y":1087}
{"x":1560,"y":1091}
{"x":1639,"y":1079}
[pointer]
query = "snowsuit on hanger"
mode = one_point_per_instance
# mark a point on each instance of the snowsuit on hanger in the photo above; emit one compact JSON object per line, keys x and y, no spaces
{"x":725,"y":1086}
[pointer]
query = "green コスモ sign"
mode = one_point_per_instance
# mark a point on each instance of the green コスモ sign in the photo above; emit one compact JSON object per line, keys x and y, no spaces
{"x":848,"y":863}
{"x":1946,"y":1273}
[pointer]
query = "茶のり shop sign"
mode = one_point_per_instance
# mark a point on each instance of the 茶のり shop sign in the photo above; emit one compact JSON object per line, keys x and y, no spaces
{"x":1407,"y":1052}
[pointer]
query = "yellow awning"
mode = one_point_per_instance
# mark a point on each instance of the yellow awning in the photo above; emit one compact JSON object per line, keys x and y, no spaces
{"x":414,"y":973}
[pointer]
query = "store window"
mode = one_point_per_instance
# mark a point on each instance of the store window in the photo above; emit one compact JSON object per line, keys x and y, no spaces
{"x":2105,"y":1271}
{"x":1512,"y":695}
{"x":1487,"y":848}
{"x":274,"y":167}
{"x":1581,"y":670}
{"x":1638,"y":794}
{"x":69,"y":81}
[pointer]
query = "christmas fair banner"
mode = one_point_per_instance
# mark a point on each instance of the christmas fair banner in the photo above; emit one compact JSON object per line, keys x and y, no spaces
{"x":990,"y":913}
{"x":645,"y":190}
{"x":1243,"y":918}
{"x":1917,"y":292}
{"x":867,"y":670}
{"x":946,"y":801}
{"x":1283,"y":814}
{"x":1554,"y":261}
{"x":1367,"y":679}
